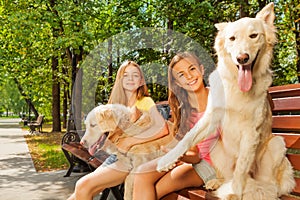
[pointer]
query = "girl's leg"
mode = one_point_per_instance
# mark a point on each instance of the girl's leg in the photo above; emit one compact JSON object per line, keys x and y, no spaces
{"x":180,"y":177}
{"x":144,"y":181}
{"x":95,"y":182}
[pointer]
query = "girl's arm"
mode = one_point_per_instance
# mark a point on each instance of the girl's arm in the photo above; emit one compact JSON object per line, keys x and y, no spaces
{"x":157,"y":130}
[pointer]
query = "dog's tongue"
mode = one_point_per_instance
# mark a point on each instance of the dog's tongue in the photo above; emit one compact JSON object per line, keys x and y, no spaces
{"x":97,"y":144}
{"x":245,"y":78}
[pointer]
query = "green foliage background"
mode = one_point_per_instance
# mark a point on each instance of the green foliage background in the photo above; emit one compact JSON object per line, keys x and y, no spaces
{"x":34,"y":32}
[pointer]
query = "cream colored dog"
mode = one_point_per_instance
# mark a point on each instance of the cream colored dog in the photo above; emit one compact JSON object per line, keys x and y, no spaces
{"x":106,"y":118}
{"x":250,"y":159}
{"x":121,"y":122}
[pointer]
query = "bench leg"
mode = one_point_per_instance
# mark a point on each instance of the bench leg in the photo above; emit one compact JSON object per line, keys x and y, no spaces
{"x":71,"y":162}
{"x":32,"y":129}
{"x":117,"y":192}
{"x":105,"y":194}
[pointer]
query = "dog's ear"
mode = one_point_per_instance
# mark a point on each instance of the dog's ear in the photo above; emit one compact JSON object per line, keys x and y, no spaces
{"x":267,"y":14}
{"x":221,"y":26}
{"x":220,"y":39}
{"x":103,"y":114}
{"x":107,"y":114}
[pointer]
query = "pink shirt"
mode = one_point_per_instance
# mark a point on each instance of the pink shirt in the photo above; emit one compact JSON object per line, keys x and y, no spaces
{"x":205,"y":146}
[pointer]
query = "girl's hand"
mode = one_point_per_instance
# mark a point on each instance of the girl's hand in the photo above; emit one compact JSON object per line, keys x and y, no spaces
{"x":191,"y":156}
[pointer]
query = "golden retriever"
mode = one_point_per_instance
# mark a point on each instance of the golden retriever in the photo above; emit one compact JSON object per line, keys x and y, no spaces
{"x":249,"y":158}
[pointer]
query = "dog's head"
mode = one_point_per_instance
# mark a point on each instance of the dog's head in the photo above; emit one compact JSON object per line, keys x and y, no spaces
{"x":106,"y":118}
{"x":246,"y":42}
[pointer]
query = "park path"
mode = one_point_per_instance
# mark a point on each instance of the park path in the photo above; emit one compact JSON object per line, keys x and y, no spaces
{"x":18,"y":177}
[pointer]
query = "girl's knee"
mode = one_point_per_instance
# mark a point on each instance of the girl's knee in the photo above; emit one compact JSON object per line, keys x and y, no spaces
{"x":82,"y":186}
{"x":143,"y":179}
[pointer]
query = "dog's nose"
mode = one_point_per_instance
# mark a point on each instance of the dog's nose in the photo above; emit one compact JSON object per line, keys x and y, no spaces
{"x":82,"y":142}
{"x":242,"y":58}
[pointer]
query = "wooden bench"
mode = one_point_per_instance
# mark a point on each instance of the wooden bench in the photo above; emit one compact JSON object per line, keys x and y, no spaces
{"x":75,"y":153}
{"x":36,"y":124}
{"x":286,"y":122}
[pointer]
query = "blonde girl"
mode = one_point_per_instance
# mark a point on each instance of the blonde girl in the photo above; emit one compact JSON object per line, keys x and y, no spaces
{"x":130,"y":90}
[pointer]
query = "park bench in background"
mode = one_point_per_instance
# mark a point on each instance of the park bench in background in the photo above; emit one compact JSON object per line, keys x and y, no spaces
{"x":36,"y":124}
{"x":286,"y":122}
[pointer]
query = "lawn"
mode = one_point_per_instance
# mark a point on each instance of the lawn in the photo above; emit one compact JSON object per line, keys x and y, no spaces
{"x":45,"y":150}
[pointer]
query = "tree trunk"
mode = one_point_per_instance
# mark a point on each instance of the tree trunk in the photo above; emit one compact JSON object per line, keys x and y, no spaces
{"x":244,"y":9}
{"x":75,"y":118}
{"x":27,"y":98}
{"x":65,"y":94}
{"x":110,"y":69}
{"x":56,"y":125}
{"x":65,"y":106}
{"x":77,"y":100}
{"x":297,"y":36}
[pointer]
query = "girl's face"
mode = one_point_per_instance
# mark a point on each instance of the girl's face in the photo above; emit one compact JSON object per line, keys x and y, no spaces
{"x":132,"y":78}
{"x":188,"y":74}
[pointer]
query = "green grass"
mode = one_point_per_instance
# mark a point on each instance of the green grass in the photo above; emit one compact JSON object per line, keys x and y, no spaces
{"x":45,"y":150}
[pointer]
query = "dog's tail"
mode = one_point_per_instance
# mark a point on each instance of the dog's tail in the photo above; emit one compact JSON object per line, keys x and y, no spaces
{"x":287,"y":182}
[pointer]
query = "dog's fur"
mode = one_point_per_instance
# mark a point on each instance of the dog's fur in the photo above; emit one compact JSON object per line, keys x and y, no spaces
{"x":121,"y":121}
{"x":106,"y":118}
{"x":250,"y":159}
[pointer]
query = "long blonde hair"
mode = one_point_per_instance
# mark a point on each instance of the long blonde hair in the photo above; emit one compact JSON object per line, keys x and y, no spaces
{"x":178,"y":101}
{"x":117,"y":95}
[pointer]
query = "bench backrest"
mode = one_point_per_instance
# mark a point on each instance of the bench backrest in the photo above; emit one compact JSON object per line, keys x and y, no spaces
{"x":286,"y":122}
{"x":40,"y":119}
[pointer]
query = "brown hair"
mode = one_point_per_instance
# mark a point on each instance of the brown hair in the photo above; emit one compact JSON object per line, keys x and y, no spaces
{"x":178,"y":101}
{"x":117,"y":94}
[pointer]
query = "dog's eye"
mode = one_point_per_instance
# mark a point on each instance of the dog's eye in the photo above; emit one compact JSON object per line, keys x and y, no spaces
{"x":254,"y":35}
{"x":92,"y":125}
{"x":232,"y":38}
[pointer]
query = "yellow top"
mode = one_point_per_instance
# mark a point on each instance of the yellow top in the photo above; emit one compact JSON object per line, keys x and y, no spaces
{"x":145,"y":103}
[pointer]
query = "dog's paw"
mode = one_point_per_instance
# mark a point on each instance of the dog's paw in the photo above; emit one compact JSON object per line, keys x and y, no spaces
{"x":214,"y":184}
{"x":165,"y":164}
{"x":238,"y":185}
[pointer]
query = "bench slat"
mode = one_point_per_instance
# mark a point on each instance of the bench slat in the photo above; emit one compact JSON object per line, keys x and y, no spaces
{"x":291,"y":140}
{"x":289,"y":122}
{"x":174,"y":196}
{"x":290,"y":90}
{"x":289,"y":198}
{"x":196,"y":194}
{"x":287,"y":104}
{"x":82,"y":154}
{"x":297,"y":188}
{"x":295,"y":160}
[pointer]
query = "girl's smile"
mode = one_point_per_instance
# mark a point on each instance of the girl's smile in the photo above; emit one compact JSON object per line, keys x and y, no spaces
{"x":188,"y":74}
